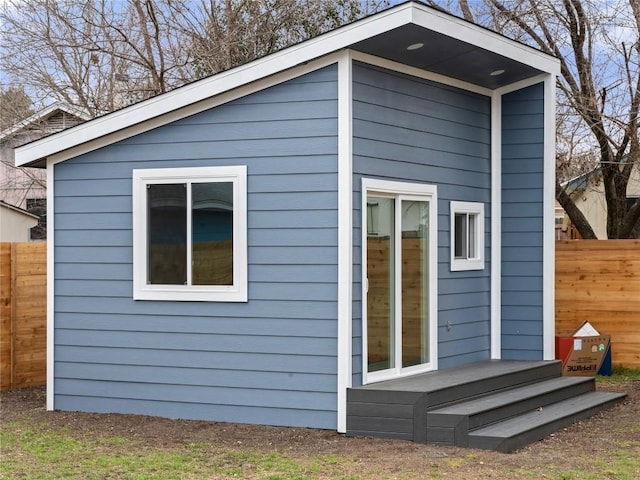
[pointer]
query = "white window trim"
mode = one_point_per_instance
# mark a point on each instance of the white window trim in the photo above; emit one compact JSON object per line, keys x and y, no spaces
{"x":477,"y":262}
{"x":237,"y":292}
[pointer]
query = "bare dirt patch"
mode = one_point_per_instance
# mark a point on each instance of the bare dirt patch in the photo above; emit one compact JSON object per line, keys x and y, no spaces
{"x":587,"y":449}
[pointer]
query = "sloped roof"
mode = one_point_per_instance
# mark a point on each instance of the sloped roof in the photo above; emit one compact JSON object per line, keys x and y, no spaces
{"x":43,"y":115}
{"x":449,"y":46}
{"x":582,"y":181}
{"x":8,"y":206}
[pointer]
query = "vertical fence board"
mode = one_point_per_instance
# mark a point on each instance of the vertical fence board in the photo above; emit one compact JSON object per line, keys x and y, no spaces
{"x":23,"y":293}
{"x":599,"y":281}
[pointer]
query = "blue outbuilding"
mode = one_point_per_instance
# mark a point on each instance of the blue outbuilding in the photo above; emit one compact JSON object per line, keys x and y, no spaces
{"x":369,"y":206}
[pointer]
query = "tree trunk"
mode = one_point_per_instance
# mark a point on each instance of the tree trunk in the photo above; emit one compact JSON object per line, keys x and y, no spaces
{"x":575,"y":214}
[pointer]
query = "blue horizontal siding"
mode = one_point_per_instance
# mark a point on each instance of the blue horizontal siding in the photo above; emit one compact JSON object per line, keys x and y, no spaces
{"x":259,"y":273}
{"x":313,"y":291}
{"x":279,"y":327}
{"x":268,"y":165}
{"x":197,"y":376}
{"x":235,"y":152}
{"x":270,"y":360}
{"x":198,"y":410}
{"x":414,"y":130}
{"x":462,"y":359}
{"x":258,"y":309}
{"x":212,"y":360}
{"x":196,"y":393}
{"x":196,"y":341}
{"x":293,"y":219}
{"x":478,"y":328}
{"x":464,"y":346}
{"x":235,"y":132}
{"x":522,"y":223}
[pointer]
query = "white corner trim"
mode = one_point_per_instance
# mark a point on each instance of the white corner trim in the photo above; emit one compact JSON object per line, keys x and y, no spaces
{"x":345,"y":233}
{"x":548,"y":239}
{"x":528,"y":82}
{"x":50,"y":289}
{"x":419,"y":73}
{"x":496,"y":226}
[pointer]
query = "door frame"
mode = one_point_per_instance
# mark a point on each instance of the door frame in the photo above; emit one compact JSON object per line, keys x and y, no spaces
{"x":422,"y":192}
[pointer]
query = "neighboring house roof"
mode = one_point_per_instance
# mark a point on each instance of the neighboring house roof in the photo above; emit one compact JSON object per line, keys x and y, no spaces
{"x":443,"y":44}
{"x":42,"y":116}
{"x":4,"y":204}
{"x":582,"y":181}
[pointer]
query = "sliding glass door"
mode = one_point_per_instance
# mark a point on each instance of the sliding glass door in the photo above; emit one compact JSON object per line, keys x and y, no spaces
{"x":399,"y":259}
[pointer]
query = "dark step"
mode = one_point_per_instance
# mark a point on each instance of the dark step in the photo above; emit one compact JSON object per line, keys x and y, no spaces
{"x":513,"y":433}
{"x":460,"y":385}
{"x":451,"y":424}
{"x":398,"y":407}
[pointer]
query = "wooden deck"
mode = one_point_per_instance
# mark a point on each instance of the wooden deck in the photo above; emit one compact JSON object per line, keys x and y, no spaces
{"x":500,"y":405}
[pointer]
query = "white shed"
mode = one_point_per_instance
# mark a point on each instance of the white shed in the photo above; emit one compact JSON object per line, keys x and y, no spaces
{"x":15,"y":223}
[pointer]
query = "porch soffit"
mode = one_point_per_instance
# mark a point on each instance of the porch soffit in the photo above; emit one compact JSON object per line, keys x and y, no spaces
{"x":446,"y":56}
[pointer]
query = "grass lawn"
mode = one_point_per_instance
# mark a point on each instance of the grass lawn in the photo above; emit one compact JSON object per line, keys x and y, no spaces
{"x":36,"y":444}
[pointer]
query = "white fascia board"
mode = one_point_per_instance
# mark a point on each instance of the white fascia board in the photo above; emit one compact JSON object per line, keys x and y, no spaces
{"x":176,"y":100}
{"x":192,"y":109}
{"x":476,"y":35}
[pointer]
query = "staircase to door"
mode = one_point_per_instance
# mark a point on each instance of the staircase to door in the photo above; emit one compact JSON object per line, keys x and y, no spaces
{"x":497,"y":405}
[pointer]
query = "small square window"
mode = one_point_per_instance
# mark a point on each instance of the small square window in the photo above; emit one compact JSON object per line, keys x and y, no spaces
{"x":190,"y":234}
{"x":467,"y":236}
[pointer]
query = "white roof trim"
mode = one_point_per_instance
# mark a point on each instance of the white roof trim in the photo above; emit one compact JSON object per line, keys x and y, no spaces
{"x":288,"y":58}
{"x":43,"y":114}
{"x":192,"y":109}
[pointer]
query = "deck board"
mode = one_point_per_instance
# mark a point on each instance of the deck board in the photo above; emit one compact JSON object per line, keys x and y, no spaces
{"x":448,"y":378}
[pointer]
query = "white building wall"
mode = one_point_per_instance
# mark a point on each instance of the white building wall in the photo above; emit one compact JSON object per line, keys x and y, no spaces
{"x":592,"y":203}
{"x":15,"y":225}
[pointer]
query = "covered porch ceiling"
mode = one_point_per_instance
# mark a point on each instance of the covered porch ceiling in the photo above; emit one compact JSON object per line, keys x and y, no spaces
{"x":436,"y":52}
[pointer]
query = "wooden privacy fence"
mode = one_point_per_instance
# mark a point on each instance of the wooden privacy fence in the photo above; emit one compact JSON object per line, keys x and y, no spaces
{"x":23,"y":305}
{"x":599,"y":281}
{"x":596,"y":280}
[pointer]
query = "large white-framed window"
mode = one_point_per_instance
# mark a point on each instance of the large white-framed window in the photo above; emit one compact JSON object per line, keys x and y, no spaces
{"x":190,"y":234}
{"x":467,"y":236}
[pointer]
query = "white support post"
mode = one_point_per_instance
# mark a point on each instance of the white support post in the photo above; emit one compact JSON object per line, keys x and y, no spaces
{"x":496,"y":225}
{"x":345,"y":229}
